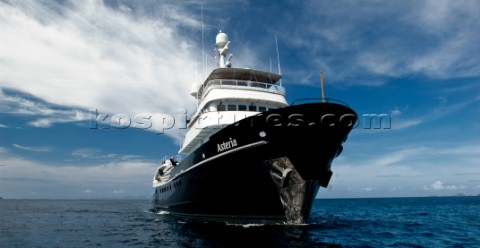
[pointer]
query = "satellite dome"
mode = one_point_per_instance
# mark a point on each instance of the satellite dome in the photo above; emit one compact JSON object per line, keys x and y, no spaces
{"x":194,"y":90}
{"x":221,"y":40}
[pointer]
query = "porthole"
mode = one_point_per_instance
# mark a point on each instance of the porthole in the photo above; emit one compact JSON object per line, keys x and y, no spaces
{"x":262,"y":134}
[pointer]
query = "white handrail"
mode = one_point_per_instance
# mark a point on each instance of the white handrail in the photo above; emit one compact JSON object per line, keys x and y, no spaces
{"x":252,"y":85}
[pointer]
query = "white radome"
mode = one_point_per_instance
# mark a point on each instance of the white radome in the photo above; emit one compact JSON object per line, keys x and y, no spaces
{"x":194,"y":90}
{"x":221,"y":40}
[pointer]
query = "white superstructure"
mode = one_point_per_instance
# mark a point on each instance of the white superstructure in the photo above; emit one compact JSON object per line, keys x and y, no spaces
{"x":229,"y":95}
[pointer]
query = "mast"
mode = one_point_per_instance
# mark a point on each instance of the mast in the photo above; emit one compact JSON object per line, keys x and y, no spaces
{"x":221,"y":47}
{"x":322,"y":85}
{"x":278,"y":60}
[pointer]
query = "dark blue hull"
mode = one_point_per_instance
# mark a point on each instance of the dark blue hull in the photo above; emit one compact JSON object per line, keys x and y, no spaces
{"x":266,"y":167}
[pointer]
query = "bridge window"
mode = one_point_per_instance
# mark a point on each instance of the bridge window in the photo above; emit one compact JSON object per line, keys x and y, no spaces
{"x":220,"y":107}
{"x":252,"y":108}
{"x":232,"y":107}
{"x":211,"y":107}
{"x":259,"y":85}
{"x":242,"y":107}
{"x":262,"y":108}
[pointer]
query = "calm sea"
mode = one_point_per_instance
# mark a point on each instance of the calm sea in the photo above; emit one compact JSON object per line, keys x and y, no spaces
{"x":386,"y":222}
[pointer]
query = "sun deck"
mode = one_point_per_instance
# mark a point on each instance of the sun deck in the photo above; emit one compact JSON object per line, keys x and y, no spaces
{"x":240,"y":77}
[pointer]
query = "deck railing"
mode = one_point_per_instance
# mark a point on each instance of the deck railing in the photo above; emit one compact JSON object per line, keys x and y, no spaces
{"x":237,"y":84}
{"x":317,"y":99}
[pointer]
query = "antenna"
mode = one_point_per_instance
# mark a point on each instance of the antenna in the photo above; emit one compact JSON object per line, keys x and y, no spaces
{"x":278,"y":60}
{"x":203,"y":46}
{"x":322,"y":85}
{"x":196,"y":80}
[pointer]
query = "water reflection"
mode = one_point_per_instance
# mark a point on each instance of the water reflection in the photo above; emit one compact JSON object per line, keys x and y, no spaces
{"x":178,"y":232}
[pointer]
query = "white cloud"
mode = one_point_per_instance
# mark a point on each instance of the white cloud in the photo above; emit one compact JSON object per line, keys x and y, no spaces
{"x":3,"y":126}
{"x":383,"y":169}
{"x":395,"y":112}
{"x":91,"y":153}
{"x":3,"y":150}
{"x":45,"y":113}
{"x":367,"y":189}
{"x":452,"y":187}
{"x":61,"y":117}
{"x":98,"y":154}
{"x":449,"y":39}
{"x":92,"y":179}
{"x":388,"y":39}
{"x":397,"y":157}
{"x":433,"y":114}
{"x":438,"y":185}
{"x":88,"y":55}
{"x":33,"y":149}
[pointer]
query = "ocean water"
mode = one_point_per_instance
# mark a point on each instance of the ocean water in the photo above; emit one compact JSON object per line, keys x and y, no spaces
{"x":384,"y":222}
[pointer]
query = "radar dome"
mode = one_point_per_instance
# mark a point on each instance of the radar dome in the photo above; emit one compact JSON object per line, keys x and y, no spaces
{"x":221,"y":40}
{"x":194,"y":90}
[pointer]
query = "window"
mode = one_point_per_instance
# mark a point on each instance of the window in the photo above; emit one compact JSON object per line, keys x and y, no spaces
{"x":258,"y":85}
{"x":242,"y":107}
{"x":211,"y":107}
{"x":262,"y":108}
{"x":232,"y":107}
{"x":252,"y":108}
{"x":220,"y":107}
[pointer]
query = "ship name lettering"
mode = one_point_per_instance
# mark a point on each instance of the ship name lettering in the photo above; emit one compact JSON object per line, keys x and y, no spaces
{"x":227,"y":145}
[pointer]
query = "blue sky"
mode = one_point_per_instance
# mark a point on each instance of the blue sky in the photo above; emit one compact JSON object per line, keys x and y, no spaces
{"x":415,"y":61}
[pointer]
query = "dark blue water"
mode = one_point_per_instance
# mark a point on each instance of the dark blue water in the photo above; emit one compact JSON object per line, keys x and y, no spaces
{"x":393,"y":222}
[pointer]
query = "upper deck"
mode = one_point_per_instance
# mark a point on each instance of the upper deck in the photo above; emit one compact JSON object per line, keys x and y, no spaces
{"x":243,"y":74}
{"x":242,"y":77}
{"x":228,"y":95}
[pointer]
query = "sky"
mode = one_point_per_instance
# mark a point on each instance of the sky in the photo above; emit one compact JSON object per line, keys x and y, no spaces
{"x":74,"y":74}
